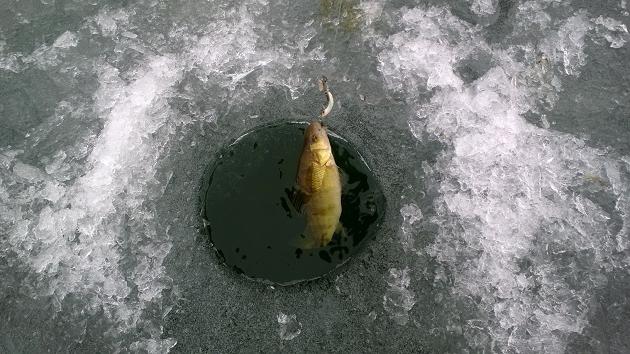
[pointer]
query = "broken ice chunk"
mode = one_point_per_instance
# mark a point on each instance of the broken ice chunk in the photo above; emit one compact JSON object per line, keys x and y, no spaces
{"x":66,"y":40}
{"x":410,"y":213}
{"x":615,"y":32}
{"x":484,"y":7}
{"x":398,"y":299}
{"x":289,"y":326}
{"x":28,"y":172}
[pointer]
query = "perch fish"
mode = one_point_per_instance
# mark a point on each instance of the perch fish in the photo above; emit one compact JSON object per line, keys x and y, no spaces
{"x":319,"y":183}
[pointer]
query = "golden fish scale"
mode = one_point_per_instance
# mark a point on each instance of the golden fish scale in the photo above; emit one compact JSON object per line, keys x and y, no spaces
{"x":323,"y":208}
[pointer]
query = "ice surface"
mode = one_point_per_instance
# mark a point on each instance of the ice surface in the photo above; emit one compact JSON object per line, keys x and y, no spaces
{"x":109,"y":20}
{"x":520,"y":243}
{"x":66,"y":40}
{"x":437,"y":73}
{"x":614,"y":31}
{"x":411,"y":214}
{"x":290,"y":327}
{"x":28,"y":172}
{"x":399,"y":299}
{"x":84,"y":216}
{"x":567,"y":44}
{"x":508,"y":206}
{"x":372,"y":11}
{"x":10,"y":61}
{"x":75,"y":239}
{"x":484,"y":7}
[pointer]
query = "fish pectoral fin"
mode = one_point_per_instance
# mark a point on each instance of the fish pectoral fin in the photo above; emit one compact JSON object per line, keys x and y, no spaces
{"x":342,"y":234}
{"x":291,"y":196}
{"x":297,"y":198}
{"x":339,"y":228}
{"x":317,"y":177}
{"x":344,"y":178}
{"x":304,"y":242}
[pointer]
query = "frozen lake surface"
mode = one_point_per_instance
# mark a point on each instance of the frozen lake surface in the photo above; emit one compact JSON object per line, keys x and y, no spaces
{"x":499,"y":130}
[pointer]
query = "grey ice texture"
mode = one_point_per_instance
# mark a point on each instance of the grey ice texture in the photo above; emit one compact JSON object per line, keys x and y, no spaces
{"x":290,"y":327}
{"x":500,"y":131}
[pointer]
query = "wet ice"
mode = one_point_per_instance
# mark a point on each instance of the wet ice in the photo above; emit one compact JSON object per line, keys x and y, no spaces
{"x":511,"y":185}
{"x":527,"y":225}
{"x":614,"y":31}
{"x":290,"y":327}
{"x":92,"y":231}
{"x":399,"y":299}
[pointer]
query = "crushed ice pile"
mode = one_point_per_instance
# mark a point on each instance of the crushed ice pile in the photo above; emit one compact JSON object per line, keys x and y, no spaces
{"x":521,"y":242}
{"x":520,"y":228}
